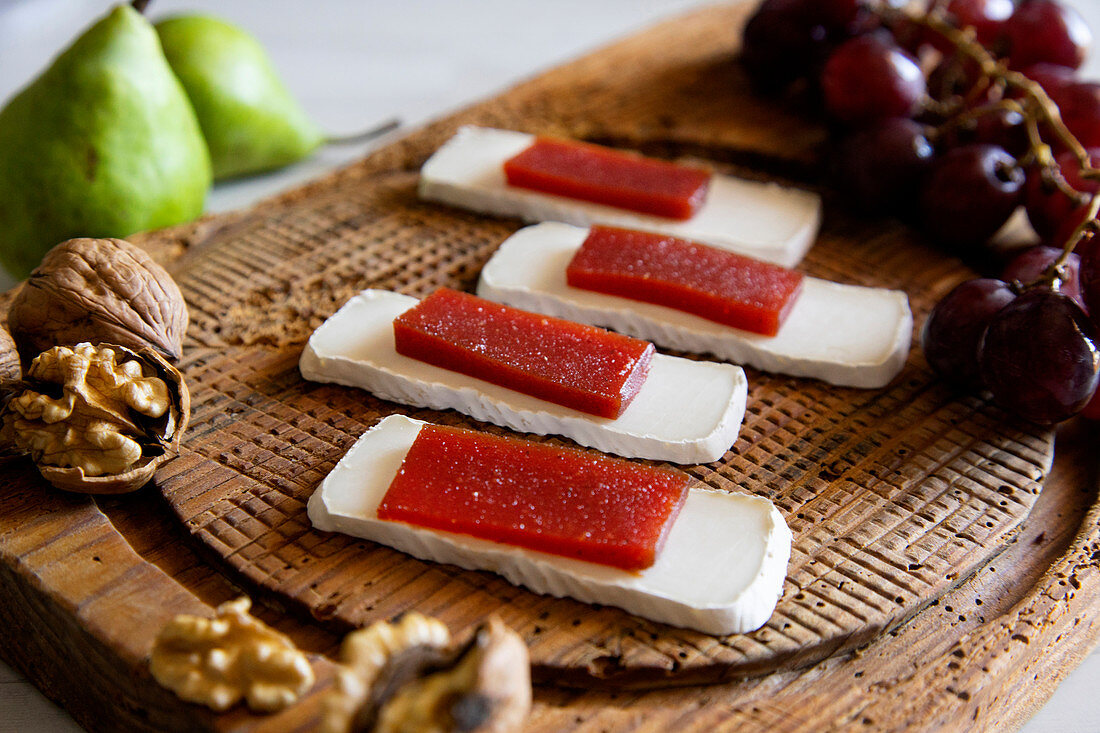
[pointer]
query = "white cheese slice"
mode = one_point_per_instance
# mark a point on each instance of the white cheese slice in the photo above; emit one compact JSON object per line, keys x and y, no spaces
{"x":686,"y":411}
{"x":721,"y":570}
{"x":762,"y":220}
{"x":843,"y":334}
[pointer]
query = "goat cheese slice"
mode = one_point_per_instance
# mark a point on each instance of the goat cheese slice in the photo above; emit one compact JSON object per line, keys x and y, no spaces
{"x":686,"y":411}
{"x":762,"y":220}
{"x":720,"y":571}
{"x":846,"y":335}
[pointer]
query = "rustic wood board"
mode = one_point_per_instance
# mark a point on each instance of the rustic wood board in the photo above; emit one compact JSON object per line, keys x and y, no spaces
{"x":895,"y":497}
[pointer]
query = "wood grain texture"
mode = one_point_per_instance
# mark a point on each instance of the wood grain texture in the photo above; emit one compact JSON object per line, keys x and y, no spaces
{"x":900,"y":499}
{"x":982,"y":657}
{"x":81,"y":609}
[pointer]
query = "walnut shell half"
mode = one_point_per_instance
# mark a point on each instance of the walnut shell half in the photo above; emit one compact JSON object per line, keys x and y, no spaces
{"x":484,"y":687}
{"x":404,"y":676}
{"x":10,"y":370}
{"x":98,"y":290}
{"x":98,"y":419}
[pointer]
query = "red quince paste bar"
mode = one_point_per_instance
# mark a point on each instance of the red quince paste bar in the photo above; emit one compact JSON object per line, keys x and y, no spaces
{"x":555,"y":500}
{"x":571,"y":364}
{"x":612,"y":177}
{"x":716,"y":284}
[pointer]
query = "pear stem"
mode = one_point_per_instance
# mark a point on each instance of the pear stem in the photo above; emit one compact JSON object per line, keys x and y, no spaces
{"x":140,"y":5}
{"x":366,"y":135}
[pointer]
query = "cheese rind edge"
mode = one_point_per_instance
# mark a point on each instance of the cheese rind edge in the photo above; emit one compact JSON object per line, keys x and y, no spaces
{"x":721,"y":570}
{"x":762,"y":220}
{"x":665,"y":421}
{"x":846,"y":335}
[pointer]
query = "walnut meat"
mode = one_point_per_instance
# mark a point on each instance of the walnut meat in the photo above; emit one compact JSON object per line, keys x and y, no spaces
{"x":368,"y":650}
{"x":98,"y":290}
{"x":364,"y":655}
{"x":218,"y":662}
{"x":486,"y":689}
{"x":98,"y":419}
{"x":10,"y":371}
{"x":402,"y":677}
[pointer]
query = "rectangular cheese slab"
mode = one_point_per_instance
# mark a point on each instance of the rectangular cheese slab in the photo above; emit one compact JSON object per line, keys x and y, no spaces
{"x":842,"y":334}
{"x":685,"y":412}
{"x":761,"y":220}
{"x":721,"y":570}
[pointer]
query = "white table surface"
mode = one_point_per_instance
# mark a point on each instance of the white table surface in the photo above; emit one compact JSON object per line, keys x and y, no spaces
{"x":356,"y":62}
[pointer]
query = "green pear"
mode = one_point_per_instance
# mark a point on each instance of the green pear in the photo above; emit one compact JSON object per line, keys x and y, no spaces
{"x":103,"y":144}
{"x":250,"y":120}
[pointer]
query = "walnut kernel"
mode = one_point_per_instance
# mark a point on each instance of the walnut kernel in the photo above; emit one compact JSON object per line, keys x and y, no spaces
{"x":218,"y":662}
{"x":97,"y":419}
{"x":367,"y":650}
{"x":487,"y":690}
{"x":364,"y":654}
{"x":401,"y":677}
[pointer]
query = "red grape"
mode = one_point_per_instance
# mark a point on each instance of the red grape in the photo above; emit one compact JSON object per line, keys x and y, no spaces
{"x":836,"y":16}
{"x":998,"y":126}
{"x":786,"y":39}
{"x":1050,"y":76}
{"x":1089,"y":250}
{"x":871,"y":78}
{"x":1048,"y":208}
{"x":986,"y":17}
{"x":779,"y":43}
{"x":1037,"y":357}
{"x":953,"y":76}
{"x":1091,"y":411}
{"x":1061,"y":237}
{"x":970,"y":194}
{"x":1027,"y":266}
{"x":954,"y":328}
{"x":1004,"y":127}
{"x":914,"y":37}
{"x":1079,"y":104}
{"x":882,"y":166}
{"x":1046,"y":30}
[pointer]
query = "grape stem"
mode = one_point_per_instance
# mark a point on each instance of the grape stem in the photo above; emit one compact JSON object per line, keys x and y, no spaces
{"x":365,"y":135}
{"x":1038,"y":109}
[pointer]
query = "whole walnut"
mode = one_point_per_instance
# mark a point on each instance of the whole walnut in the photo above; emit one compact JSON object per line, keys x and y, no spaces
{"x":102,"y":291}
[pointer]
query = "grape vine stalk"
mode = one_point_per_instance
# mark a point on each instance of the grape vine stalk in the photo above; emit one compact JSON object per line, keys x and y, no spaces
{"x":1037,"y":110}
{"x":952,"y":115}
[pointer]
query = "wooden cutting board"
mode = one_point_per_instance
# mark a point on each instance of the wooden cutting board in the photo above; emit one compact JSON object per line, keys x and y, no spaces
{"x":896,"y":497}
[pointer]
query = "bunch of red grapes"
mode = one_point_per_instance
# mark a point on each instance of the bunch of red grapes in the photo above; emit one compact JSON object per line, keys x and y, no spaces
{"x":937,"y":121}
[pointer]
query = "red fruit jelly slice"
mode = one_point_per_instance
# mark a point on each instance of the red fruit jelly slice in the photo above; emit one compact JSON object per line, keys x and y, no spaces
{"x":582,"y":367}
{"x":606,"y":176}
{"x":713,"y":283}
{"x":555,"y":500}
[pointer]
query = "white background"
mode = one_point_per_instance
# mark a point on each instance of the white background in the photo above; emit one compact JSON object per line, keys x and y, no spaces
{"x":353,"y":63}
